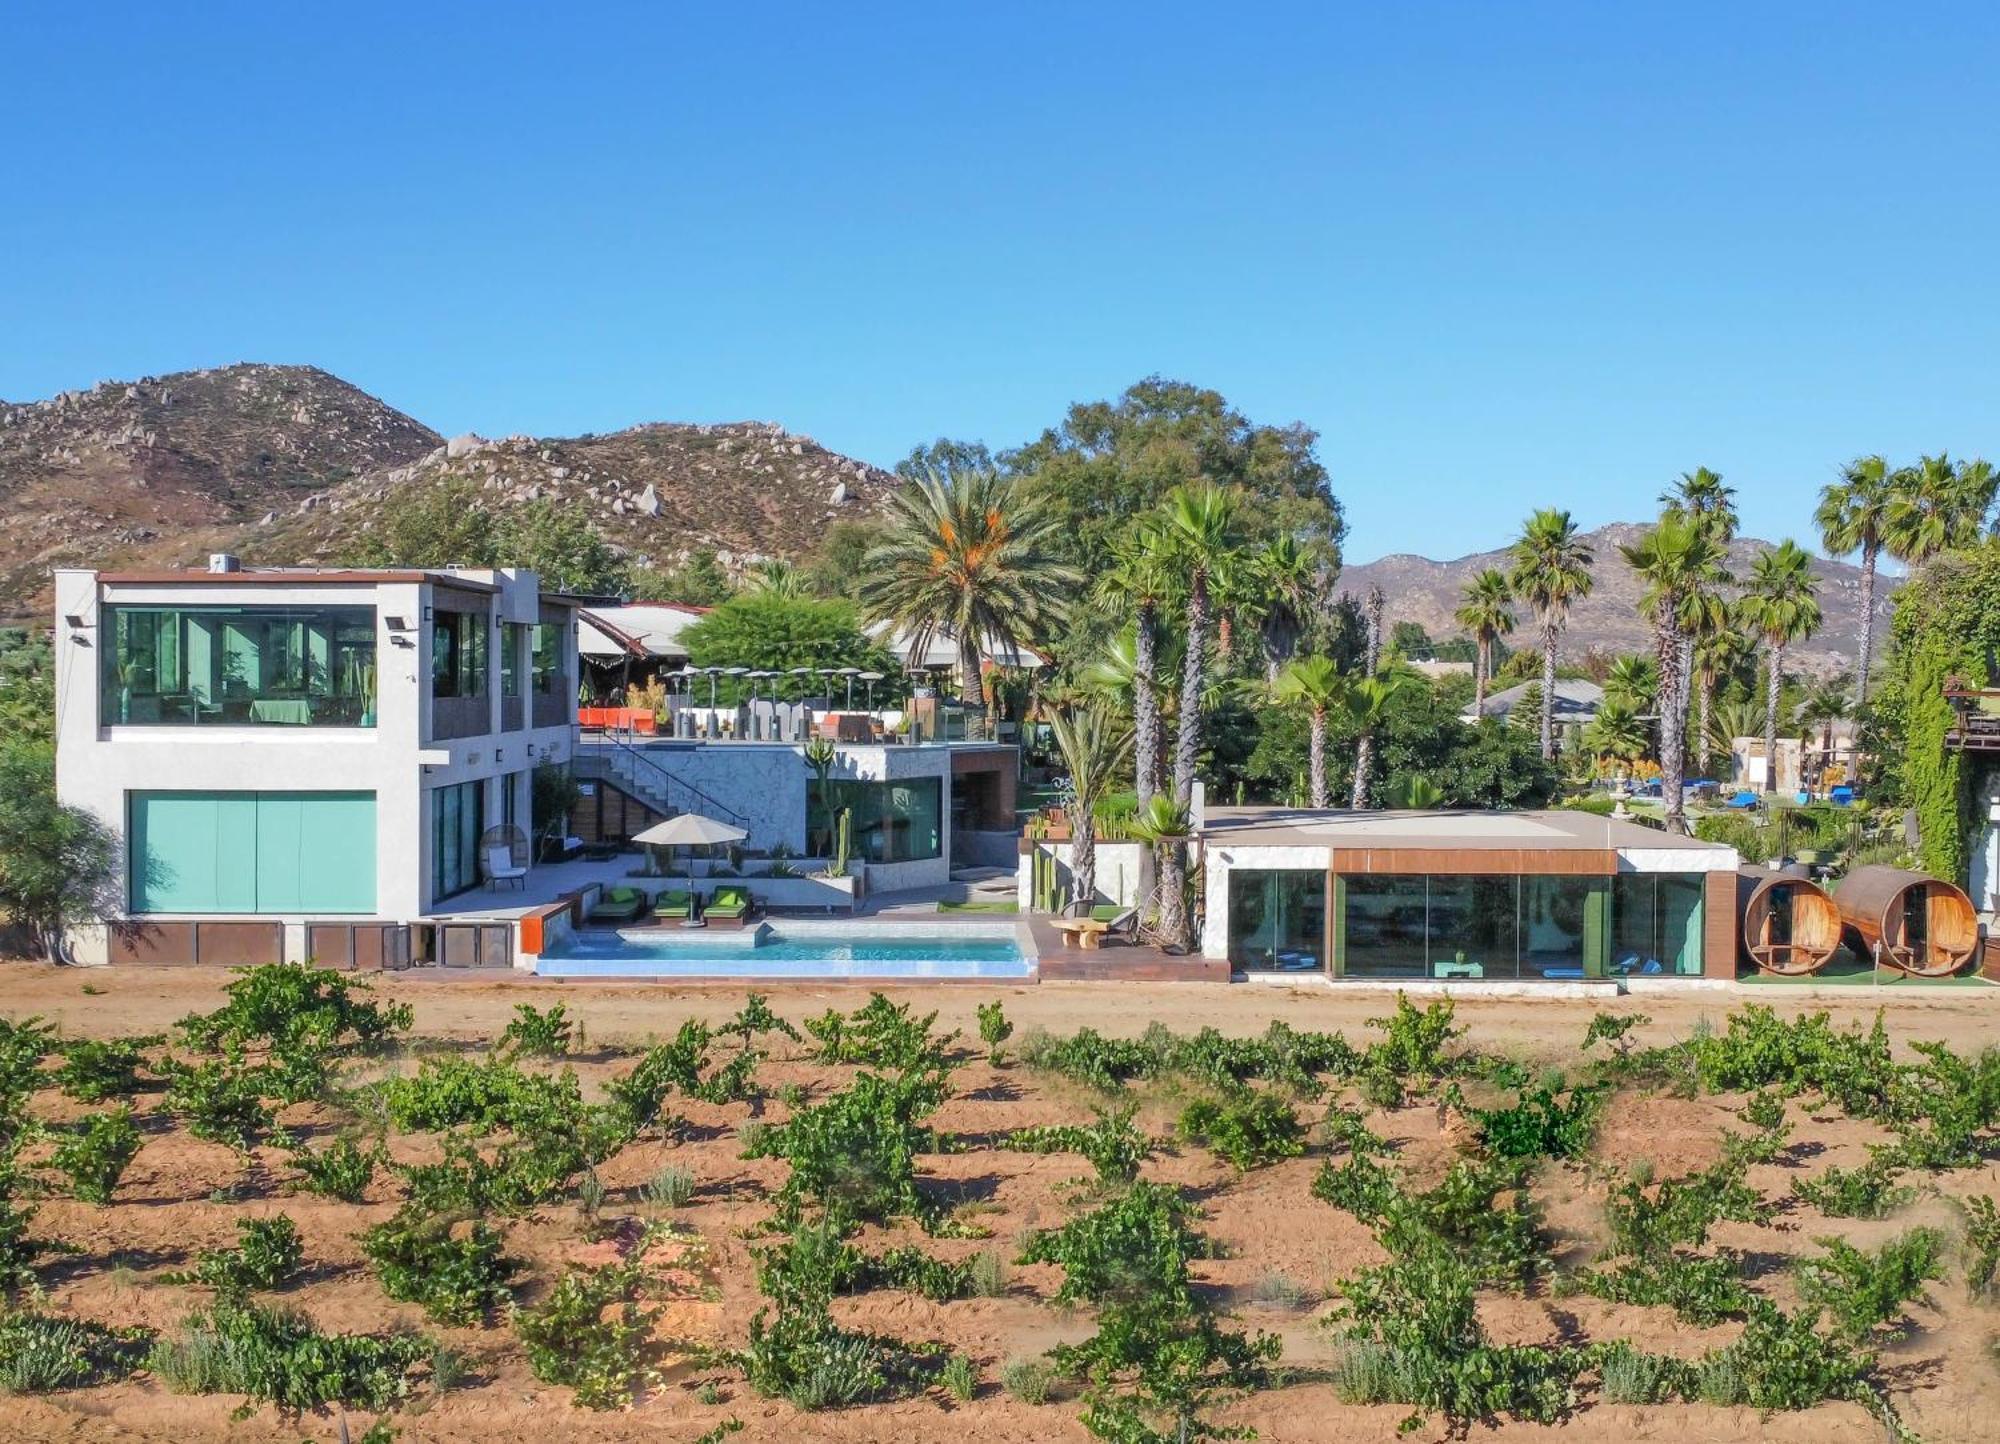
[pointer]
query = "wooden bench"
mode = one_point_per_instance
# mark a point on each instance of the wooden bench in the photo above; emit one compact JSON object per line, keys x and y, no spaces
{"x":1085,"y":933}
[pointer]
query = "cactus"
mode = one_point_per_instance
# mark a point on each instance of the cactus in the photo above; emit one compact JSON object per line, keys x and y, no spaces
{"x":838,"y":867}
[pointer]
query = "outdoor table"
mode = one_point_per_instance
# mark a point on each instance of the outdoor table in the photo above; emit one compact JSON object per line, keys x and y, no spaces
{"x":293,"y":710}
{"x":1084,"y":932}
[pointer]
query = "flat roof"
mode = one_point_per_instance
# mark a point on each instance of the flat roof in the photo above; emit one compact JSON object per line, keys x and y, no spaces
{"x":1468,"y":830}
{"x":289,"y":576}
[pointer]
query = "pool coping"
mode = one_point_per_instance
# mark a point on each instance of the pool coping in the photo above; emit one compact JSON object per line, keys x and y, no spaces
{"x":1015,"y":930}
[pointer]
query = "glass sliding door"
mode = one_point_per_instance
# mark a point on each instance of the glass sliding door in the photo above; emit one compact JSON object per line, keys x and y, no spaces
{"x":1656,"y":924}
{"x":1474,"y":929}
{"x":1277,"y":920}
{"x":457,"y":819}
{"x":1386,"y":921}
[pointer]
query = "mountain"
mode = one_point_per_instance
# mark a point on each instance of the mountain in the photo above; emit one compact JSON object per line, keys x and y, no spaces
{"x":286,"y":465}
{"x":1417,"y":589}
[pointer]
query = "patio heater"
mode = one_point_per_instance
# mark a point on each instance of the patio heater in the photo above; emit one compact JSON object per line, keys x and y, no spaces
{"x":868,"y":681}
{"x":801,"y":672}
{"x":713,"y":673}
{"x":850,"y":673}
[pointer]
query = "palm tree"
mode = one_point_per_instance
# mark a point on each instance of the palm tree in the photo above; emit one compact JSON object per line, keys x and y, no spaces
{"x":968,"y":554}
{"x":1700,"y":496}
{"x":1142,"y":577}
{"x":1199,"y":537}
{"x":1315,"y":684}
{"x":1551,"y":572}
{"x":1617,"y":732}
{"x":1365,"y":705}
{"x":1165,"y":824}
{"x":777,"y":578}
{"x":1290,"y":578}
{"x":1718,"y":651}
{"x":1633,"y":680}
{"x":1936,"y":506}
{"x":1853,"y":515}
{"x":1679,"y":560}
{"x":1731,"y":721}
{"x":1827,"y":703}
{"x":1486,"y":610}
{"x":1095,"y":748}
{"x":1781,"y":605}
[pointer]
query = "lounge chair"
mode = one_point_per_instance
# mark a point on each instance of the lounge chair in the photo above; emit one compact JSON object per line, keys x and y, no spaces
{"x":674,"y":904}
{"x":618,"y":905}
{"x":1118,"y":922}
{"x":500,"y":867}
{"x":1742,"y":800}
{"x":727,"y":904}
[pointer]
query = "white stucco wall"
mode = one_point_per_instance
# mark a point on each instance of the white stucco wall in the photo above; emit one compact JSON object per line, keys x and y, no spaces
{"x":1123,"y":871}
{"x":1983,"y":884}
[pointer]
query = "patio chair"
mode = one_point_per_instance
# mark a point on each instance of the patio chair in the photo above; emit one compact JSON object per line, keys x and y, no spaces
{"x":618,"y":905}
{"x":1120,"y":923}
{"x":676,"y":904}
{"x":727,"y":904}
{"x":501,"y":867}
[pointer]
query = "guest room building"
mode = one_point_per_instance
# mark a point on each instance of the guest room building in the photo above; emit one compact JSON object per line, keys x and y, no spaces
{"x":1514,"y":896}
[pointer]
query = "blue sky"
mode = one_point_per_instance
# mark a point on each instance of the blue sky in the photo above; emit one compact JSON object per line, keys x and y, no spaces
{"x":1500,"y":256}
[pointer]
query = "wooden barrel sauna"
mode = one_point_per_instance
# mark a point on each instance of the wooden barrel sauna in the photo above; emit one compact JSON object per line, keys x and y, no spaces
{"x":1788,"y":923}
{"x":1921,"y":925}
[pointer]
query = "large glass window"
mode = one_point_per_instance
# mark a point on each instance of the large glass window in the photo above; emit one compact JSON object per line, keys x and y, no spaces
{"x":1656,"y":923}
{"x":548,"y":677}
{"x":251,"y":852}
{"x":1474,"y":926}
{"x":201,"y":665}
{"x":1277,"y":920}
{"x":889,"y":821}
{"x":457,"y":819}
{"x":458,"y":654}
{"x":513,"y":641}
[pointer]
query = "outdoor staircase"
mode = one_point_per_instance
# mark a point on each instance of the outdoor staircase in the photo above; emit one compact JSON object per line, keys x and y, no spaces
{"x":632,"y":772}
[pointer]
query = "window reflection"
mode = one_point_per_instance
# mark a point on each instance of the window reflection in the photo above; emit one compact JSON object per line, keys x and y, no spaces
{"x":196,"y":665}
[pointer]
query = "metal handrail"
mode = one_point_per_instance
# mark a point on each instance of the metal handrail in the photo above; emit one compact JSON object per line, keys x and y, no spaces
{"x":727,"y":814}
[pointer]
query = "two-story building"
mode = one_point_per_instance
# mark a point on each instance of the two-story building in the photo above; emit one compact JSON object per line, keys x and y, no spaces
{"x":300,"y":763}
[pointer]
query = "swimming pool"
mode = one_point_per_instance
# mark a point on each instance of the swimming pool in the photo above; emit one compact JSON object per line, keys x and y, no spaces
{"x":778,"y":951}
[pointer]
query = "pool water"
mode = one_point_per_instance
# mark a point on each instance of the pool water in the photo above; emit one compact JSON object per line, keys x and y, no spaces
{"x":793,"y":950}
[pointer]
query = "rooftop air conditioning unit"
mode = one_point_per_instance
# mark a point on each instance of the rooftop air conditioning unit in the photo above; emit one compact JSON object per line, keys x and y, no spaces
{"x":224,"y":562}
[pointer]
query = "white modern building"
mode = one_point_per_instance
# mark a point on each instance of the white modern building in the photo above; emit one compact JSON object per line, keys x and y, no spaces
{"x":299,"y":763}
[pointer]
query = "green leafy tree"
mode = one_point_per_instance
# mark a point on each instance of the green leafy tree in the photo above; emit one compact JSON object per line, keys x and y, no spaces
{"x":1551,"y":572}
{"x":561,"y":547}
{"x":767,"y":631}
{"x":1781,"y":604}
{"x":971,"y":555}
{"x":58,"y":864}
{"x":1486,"y":610}
{"x":436,"y":523}
{"x":1853,"y":516}
{"x":27,"y":686}
{"x":697,"y":581}
{"x":1094,"y":748}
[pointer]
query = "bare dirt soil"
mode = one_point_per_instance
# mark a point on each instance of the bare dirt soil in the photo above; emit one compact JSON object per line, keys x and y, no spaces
{"x":177,"y":1198}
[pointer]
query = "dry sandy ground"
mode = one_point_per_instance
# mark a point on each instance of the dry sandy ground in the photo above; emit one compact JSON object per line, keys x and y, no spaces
{"x":1944,"y":1376}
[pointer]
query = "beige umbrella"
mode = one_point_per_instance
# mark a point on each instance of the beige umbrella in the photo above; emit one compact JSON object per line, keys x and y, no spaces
{"x":690,"y":829}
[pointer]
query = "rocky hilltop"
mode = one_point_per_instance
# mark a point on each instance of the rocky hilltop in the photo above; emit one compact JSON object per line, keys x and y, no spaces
{"x":286,"y":465}
{"x":1418,"y":589}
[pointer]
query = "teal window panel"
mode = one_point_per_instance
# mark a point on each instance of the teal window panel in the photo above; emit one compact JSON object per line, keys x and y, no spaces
{"x":248,"y":852}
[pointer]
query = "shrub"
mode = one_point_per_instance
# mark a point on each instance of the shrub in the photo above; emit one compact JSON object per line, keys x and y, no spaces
{"x":267,"y":1253}
{"x":671,"y":1187}
{"x":1981,"y":1248}
{"x":680,"y":1065}
{"x":94,"y":1154}
{"x":1862,"y":1291}
{"x":1481,"y":1211}
{"x":342,"y":1170}
{"x":1112,"y":1146}
{"x":988,"y":1275}
{"x":755,"y":1018}
{"x":299,"y":1019}
{"x":960,"y":1378}
{"x":1414,"y":1041}
{"x":1247,"y":1128}
{"x":1541,"y":1126}
{"x":1027,"y":1380}
{"x":879,"y":1034}
{"x":1782,"y":1361}
{"x":93,"y":1071}
{"x":1630,"y":1376}
{"x":994,"y":1029}
{"x":277,"y":1356}
{"x":223,"y":1102}
{"x":855,"y":1154}
{"x":593,"y":1333}
{"x":534,"y":1033}
{"x":1870,"y":1191}
{"x":455,"y":1270}
{"x":40,"y":1353}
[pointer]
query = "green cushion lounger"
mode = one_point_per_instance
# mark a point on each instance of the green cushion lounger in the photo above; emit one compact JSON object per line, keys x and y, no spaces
{"x":675,"y":903}
{"x":618,"y":905}
{"x":727,"y":902}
